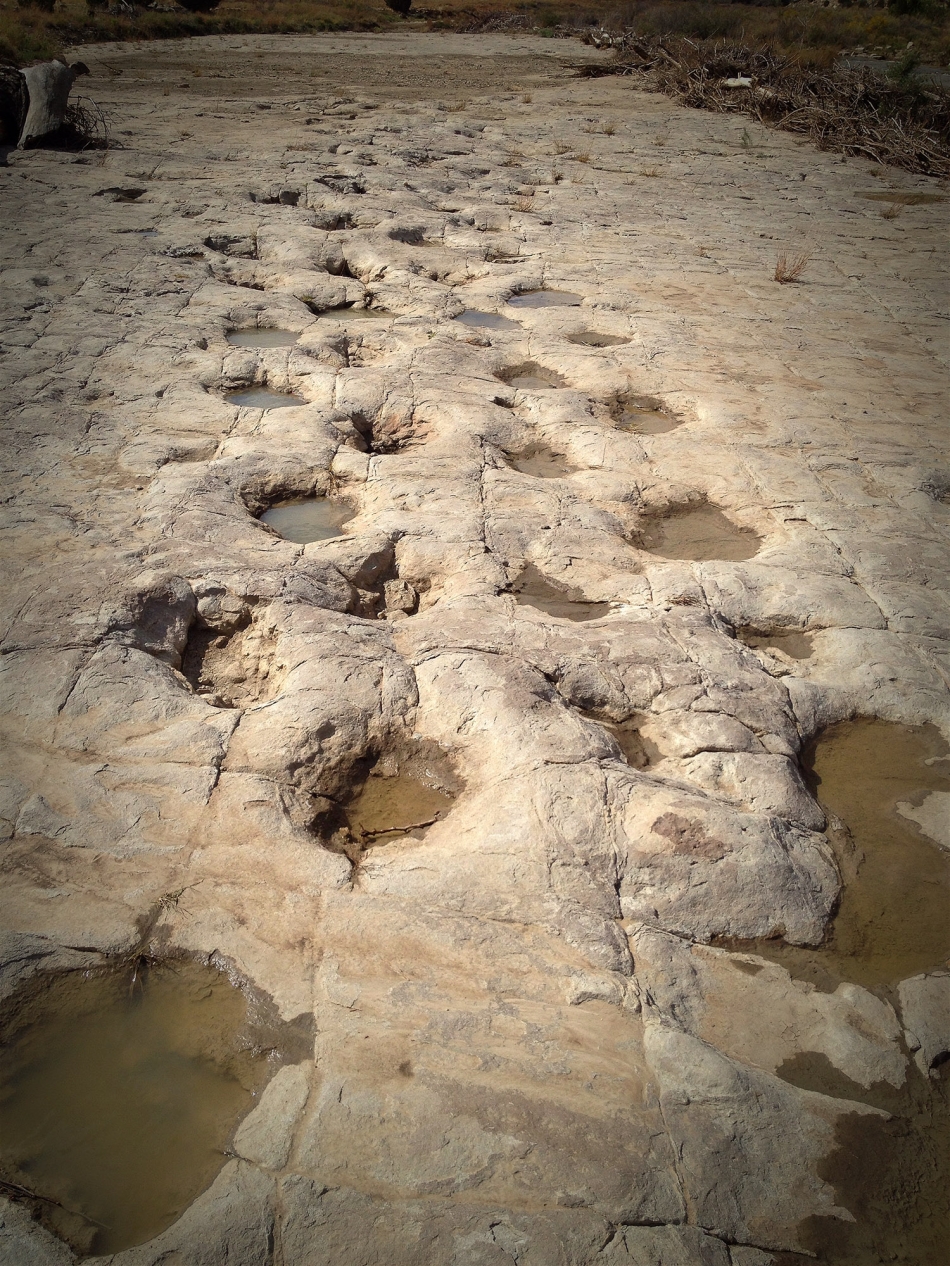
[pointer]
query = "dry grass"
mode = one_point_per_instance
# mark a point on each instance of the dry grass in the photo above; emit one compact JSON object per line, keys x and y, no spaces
{"x":812,"y":34}
{"x":523,"y":203}
{"x":893,"y":211}
{"x":582,"y":157}
{"x":789,"y":268}
{"x":650,"y":171}
{"x":29,"y":33}
{"x":856,"y":112}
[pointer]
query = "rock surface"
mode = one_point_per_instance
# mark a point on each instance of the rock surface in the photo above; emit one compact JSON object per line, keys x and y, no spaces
{"x":527,"y":1050}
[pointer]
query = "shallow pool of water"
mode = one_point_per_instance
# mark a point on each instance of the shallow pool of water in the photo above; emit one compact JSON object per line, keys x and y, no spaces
{"x":262,"y":338}
{"x":355,"y":314}
{"x":590,"y":338}
{"x":486,"y":320}
{"x":892,"y":1175}
{"x":530,"y":376}
{"x":264,"y":398}
{"x":642,"y":415}
{"x":118,"y":1096}
{"x":545,"y":299}
{"x":892,"y":920}
{"x":795,"y":644}
{"x":533,"y":589}
{"x":389,"y":807}
{"x":310,"y":519}
{"x":540,"y":462}
{"x":700,"y":534}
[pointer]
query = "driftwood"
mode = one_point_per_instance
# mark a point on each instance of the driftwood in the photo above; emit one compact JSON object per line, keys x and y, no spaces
{"x":903,"y":123}
{"x":34,"y":101}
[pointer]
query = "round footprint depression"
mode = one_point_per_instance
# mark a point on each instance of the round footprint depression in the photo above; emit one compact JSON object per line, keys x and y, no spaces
{"x":262,"y":338}
{"x":310,"y":519}
{"x":121,"y":1091}
{"x":546,"y":299}
{"x":700,"y":534}
{"x":486,"y":320}
{"x":264,"y":398}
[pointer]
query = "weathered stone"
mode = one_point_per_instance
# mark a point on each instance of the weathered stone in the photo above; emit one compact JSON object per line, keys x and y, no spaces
{"x":526,"y":1047}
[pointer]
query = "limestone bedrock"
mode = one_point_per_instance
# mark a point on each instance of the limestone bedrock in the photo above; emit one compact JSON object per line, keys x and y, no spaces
{"x":519,"y":1056}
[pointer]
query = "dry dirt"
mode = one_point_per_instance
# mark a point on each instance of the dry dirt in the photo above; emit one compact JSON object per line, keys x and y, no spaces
{"x":532,"y":1042}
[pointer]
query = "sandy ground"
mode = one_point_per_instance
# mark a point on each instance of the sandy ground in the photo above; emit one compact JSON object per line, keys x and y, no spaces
{"x":528,"y":1047}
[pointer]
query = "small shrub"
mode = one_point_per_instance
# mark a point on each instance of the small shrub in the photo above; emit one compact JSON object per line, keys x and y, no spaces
{"x":789,"y":268}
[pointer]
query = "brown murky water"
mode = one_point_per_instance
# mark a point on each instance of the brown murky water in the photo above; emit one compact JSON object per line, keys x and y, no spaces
{"x":531,"y":377}
{"x":262,"y":338}
{"x":642,"y":415}
{"x":486,"y":320}
{"x":892,"y":1175}
{"x":590,"y":338}
{"x":389,"y":807}
{"x":264,"y":398}
{"x":532,"y":589}
{"x":795,"y":644}
{"x":893,"y":920}
{"x":346,"y":313}
{"x":540,"y":462}
{"x":545,"y":299}
{"x":310,"y":519}
{"x":401,"y":793}
{"x":700,"y":534}
{"x":118,"y":1100}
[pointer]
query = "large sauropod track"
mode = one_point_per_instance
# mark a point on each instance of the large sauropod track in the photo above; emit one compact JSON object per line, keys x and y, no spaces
{"x":454,"y":590}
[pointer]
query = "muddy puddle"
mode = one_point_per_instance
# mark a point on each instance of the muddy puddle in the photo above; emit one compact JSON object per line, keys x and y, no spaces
{"x":532,"y":589}
{"x":540,"y":462}
{"x":545,"y":299}
{"x":700,"y":534}
{"x":310,"y":519}
{"x":892,"y":921}
{"x":590,"y":338}
{"x":891,"y":1175}
{"x":400,"y":794}
{"x":264,"y":398}
{"x":262,"y":338}
{"x":531,"y":377}
{"x":120,"y":1091}
{"x":791,"y":642}
{"x":486,"y":320}
{"x":642,"y":415}
{"x":354,"y":314}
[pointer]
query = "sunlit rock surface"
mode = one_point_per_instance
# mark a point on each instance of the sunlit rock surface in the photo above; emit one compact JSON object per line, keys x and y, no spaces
{"x":539,"y":1037}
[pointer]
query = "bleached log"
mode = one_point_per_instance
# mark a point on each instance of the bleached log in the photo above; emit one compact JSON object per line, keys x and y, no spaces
{"x":48,"y":85}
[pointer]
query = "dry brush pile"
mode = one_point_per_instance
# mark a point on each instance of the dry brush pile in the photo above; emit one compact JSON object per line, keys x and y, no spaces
{"x":856,"y":112}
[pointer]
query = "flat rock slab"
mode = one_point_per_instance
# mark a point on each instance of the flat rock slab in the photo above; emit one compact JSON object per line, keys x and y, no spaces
{"x":518,"y":1054}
